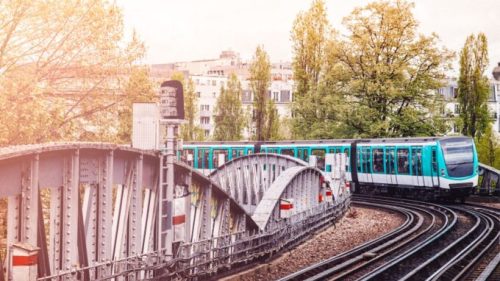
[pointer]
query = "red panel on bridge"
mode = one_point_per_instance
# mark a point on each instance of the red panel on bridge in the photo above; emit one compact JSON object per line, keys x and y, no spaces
{"x":286,"y":206}
{"x":24,"y":260}
{"x":178,"y":219}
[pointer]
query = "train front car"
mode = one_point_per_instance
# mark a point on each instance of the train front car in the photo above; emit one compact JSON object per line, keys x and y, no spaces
{"x":458,"y":166}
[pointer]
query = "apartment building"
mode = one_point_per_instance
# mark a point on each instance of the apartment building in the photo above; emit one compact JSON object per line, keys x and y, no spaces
{"x":211,"y":74}
{"x":452,"y":107}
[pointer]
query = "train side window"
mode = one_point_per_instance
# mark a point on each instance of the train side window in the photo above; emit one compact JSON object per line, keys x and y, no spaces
{"x":306,"y":155}
{"x":416,"y":161}
{"x":389,"y":161}
{"x":366,"y":160}
{"x":331,"y":150}
{"x":378,"y":160}
{"x":403,"y":167}
{"x":203,"y":158}
{"x":219,"y":157}
{"x":347,"y":155}
{"x":301,"y":153}
{"x":188,"y":156}
{"x":320,"y":156}
{"x":360,"y":159}
{"x":288,"y":151}
{"x":434,"y":161}
{"x":237,"y":153}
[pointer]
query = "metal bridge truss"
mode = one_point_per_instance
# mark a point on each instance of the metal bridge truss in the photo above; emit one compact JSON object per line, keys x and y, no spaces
{"x":489,"y":180}
{"x":92,"y":210}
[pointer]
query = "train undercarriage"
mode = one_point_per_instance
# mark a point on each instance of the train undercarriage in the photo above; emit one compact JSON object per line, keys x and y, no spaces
{"x":414,"y":192}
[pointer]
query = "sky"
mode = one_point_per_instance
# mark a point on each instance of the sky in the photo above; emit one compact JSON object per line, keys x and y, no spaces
{"x":184,"y":30}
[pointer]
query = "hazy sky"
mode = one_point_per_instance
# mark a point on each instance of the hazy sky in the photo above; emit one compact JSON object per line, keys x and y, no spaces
{"x":198,"y":29}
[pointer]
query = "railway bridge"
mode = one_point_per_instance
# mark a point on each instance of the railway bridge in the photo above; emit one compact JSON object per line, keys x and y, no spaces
{"x":87,"y":211}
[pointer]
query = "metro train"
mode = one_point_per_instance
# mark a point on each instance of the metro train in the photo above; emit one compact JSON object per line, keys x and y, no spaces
{"x":426,"y":168}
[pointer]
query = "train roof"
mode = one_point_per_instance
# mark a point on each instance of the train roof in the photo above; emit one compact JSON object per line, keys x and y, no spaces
{"x":325,"y":141}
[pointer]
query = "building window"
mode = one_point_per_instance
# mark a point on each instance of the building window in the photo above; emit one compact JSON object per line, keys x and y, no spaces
{"x":214,"y":94}
{"x":276,"y":96}
{"x":492,"y":94}
{"x":205,"y":120}
{"x":285,"y":96}
{"x":246,"y":96}
{"x":198,"y":94}
{"x":205,"y":107}
{"x":197,"y":81}
{"x":214,"y":83}
{"x":457,"y":108}
{"x":207,"y":133}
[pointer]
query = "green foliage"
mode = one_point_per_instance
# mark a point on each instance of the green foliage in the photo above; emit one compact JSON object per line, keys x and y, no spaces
{"x":260,"y":78}
{"x":272,"y":126}
{"x":139,"y":89}
{"x":377,"y":81}
{"x":488,"y":148}
{"x":228,"y":114}
{"x":473,"y":86}
{"x":309,"y":37}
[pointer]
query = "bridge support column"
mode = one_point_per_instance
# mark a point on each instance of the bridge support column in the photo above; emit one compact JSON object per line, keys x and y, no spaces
{"x":64,"y":215}
{"x":22,"y":221}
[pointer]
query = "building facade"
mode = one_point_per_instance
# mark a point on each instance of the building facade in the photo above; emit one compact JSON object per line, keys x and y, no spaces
{"x":452,"y":106}
{"x":210,"y":75}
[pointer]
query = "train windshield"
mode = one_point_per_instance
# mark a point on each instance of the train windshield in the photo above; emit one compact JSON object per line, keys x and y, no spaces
{"x":458,"y":157}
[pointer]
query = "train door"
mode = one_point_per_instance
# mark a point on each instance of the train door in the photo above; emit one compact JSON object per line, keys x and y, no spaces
{"x":390,"y":169}
{"x":434,"y":167}
{"x":365,"y":175}
{"x":416,"y":166}
{"x":204,"y":159}
{"x":378,"y":173}
{"x":403,"y":166}
{"x":369,"y":159}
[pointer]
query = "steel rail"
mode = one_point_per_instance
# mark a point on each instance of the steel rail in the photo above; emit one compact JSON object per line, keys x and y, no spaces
{"x":365,"y":251}
{"x":460,"y":265}
{"x":450,"y":221}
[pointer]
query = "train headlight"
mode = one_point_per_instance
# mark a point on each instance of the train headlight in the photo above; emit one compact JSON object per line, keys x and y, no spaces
{"x":442,"y":172}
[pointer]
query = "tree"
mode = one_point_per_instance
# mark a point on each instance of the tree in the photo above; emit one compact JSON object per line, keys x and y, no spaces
{"x":63,"y":65}
{"x":309,"y":38}
{"x":387,"y":73}
{"x":488,"y":148}
{"x":139,"y":89}
{"x":228,"y":113}
{"x":190,"y":131}
{"x":311,"y":35}
{"x":473,"y":86}
{"x":272,"y":127}
{"x":260,"y":78}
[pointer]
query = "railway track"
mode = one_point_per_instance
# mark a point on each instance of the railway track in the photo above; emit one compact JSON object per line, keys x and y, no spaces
{"x":435,"y":242}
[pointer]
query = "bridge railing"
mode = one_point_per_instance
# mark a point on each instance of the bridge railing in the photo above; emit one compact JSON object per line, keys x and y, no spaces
{"x":208,"y":257}
{"x":489,"y":180}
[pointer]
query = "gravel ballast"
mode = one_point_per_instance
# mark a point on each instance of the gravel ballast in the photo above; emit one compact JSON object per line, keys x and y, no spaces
{"x":359,"y":225}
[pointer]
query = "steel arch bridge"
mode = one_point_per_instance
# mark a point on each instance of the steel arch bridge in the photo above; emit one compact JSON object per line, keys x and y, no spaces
{"x":92,"y":210}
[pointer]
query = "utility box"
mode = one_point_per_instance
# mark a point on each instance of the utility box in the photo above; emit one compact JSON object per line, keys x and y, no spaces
{"x":24,"y":262}
{"x":145,"y":126}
